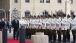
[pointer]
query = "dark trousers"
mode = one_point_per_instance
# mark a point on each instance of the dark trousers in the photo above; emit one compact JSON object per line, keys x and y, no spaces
{"x":54,"y":35}
{"x":68,"y":34}
{"x":59,"y":35}
{"x":73,"y":37}
{"x":64,"y":35}
{"x":64,"y":38}
{"x":74,"y":32}
{"x":15,"y":33}
{"x":50,"y":37}
{"x":59,"y":38}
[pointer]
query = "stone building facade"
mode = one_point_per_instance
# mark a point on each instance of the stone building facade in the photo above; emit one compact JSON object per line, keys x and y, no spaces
{"x":24,"y":8}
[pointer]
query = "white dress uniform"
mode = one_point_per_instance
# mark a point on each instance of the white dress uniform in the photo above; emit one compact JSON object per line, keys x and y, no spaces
{"x":44,"y":24}
{"x":58,"y":23}
{"x":36,"y":23}
{"x":21,"y":23}
{"x":63,"y":22}
{"x":53,"y":23}
{"x":32,"y":23}
{"x":73,"y":24}
{"x":68,"y":23}
{"x":27,"y":21}
{"x":48,"y":23}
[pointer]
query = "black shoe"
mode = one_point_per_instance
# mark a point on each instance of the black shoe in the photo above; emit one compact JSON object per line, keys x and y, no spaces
{"x":68,"y":40}
{"x":59,"y":42}
{"x":64,"y":42}
{"x":16,"y":38}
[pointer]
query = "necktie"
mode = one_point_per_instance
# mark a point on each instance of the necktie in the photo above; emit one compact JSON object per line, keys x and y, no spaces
{"x":16,"y":21}
{"x":5,"y":23}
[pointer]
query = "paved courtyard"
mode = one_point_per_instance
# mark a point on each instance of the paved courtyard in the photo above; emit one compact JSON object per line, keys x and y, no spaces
{"x":10,"y":35}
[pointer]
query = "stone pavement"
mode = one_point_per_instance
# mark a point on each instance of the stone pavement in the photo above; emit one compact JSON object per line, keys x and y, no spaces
{"x":10,"y":35}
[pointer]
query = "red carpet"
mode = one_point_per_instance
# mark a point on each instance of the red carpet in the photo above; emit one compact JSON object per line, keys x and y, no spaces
{"x":10,"y":40}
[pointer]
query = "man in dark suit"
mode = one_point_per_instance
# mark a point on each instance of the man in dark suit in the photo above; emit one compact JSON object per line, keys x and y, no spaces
{"x":5,"y":22}
{"x":0,"y":25}
{"x":15,"y":25}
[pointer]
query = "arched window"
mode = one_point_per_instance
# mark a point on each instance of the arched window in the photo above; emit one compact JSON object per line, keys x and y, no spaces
{"x":45,"y":12}
{"x":72,"y":12}
{"x":59,"y":1}
{"x":27,"y":1}
{"x":27,"y":13}
{"x":15,"y":1}
{"x":47,"y":1}
{"x":71,"y":1}
{"x":41,"y":1}
{"x":60,"y":12}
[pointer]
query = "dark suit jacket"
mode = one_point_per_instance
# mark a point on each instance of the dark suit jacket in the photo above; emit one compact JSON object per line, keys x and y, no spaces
{"x":15,"y":25}
{"x":3,"y":24}
{"x":0,"y":25}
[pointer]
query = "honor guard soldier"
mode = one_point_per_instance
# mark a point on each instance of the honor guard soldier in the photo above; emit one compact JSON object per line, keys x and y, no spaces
{"x":48,"y":27}
{"x":43,"y":24}
{"x":33,"y":25}
{"x":40,"y":22}
{"x":73,"y":27}
{"x":68,"y":27}
{"x":27,"y":26}
{"x":63,"y":27}
{"x":37,"y":25}
{"x":58,"y":27}
{"x":53,"y":27}
{"x":30,"y":27}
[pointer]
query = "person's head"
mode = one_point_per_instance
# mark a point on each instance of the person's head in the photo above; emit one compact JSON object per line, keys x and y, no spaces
{"x":64,"y":15}
{"x":5,"y":19}
{"x":73,"y":16}
{"x":54,"y":15}
{"x":16,"y":18}
{"x":19,"y":18}
{"x":57,"y":16}
{"x":2,"y":19}
{"x":68,"y":16}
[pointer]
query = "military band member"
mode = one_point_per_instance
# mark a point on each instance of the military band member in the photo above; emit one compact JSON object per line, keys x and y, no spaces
{"x":73,"y":27}
{"x":58,"y":27}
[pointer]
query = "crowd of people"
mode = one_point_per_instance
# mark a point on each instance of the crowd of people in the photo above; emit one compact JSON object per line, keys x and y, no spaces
{"x":51,"y":25}
{"x":3,"y":22}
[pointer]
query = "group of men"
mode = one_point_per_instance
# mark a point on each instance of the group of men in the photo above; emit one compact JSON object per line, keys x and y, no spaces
{"x":51,"y":25}
{"x":3,"y":22}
